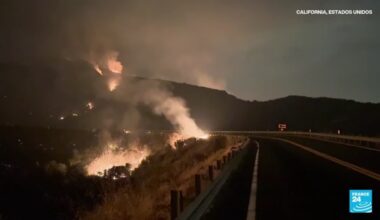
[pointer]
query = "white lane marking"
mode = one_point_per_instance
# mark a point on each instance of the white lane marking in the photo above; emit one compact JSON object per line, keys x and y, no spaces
{"x":251,"y":213}
{"x":346,"y":164}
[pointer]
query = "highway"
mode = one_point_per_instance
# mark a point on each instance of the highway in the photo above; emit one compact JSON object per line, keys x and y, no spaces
{"x":300,"y":178}
{"x":296,"y":184}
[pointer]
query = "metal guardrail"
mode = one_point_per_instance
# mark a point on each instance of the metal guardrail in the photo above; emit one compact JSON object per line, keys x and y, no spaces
{"x":202,"y":202}
{"x":371,"y":142}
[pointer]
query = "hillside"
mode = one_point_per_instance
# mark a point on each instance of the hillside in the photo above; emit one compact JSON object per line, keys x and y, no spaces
{"x":69,"y":86}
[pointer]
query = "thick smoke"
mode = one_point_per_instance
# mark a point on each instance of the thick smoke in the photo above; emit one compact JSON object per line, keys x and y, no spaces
{"x":153,"y":38}
{"x":173,"y":108}
{"x":149,"y":93}
{"x":210,"y":42}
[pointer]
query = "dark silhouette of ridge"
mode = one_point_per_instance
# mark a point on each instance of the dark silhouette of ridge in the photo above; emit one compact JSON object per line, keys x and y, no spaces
{"x":37,"y":95}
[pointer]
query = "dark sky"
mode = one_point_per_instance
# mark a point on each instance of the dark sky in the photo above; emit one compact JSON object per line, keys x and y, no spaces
{"x":254,"y":49}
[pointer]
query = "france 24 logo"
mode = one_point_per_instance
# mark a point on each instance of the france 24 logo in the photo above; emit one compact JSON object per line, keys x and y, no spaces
{"x":361,"y":201}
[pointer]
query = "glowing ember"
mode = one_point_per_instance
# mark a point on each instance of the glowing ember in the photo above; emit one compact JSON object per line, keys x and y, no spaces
{"x":205,"y":137}
{"x":90,"y":105}
{"x":114,"y":156}
{"x":109,"y":61}
{"x":126,"y":131}
{"x":112,"y":84}
{"x":97,"y":69}
{"x":62,"y":118}
{"x":173,"y":139}
{"x":113,"y":64}
{"x":112,"y":146}
{"x":75,"y":114}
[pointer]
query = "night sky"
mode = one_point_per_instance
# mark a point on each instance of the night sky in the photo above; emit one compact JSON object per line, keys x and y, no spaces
{"x":253,"y":49}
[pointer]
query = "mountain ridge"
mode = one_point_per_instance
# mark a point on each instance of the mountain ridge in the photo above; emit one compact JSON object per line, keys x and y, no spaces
{"x":39,"y":95}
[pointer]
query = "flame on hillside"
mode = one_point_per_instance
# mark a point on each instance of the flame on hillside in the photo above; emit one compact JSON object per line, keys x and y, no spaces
{"x":156,"y":96}
{"x":113,"y":64}
{"x":97,"y":69}
{"x":204,"y":137}
{"x":90,"y":105}
{"x":113,"y":155}
{"x":109,"y":62}
{"x":175,"y":137}
{"x":113,"y":83}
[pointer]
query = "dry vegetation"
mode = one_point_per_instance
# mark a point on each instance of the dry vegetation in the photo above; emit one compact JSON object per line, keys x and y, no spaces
{"x":146,"y":195}
{"x":32,"y":182}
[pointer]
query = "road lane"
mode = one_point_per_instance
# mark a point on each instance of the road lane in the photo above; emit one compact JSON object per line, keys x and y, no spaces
{"x":338,"y":161}
{"x":232,"y":200}
{"x":367,"y":159}
{"x":296,"y":184}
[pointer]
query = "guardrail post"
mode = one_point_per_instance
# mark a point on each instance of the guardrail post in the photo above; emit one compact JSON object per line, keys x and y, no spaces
{"x":211,"y":173}
{"x":219,"y":164}
{"x":174,"y":207}
{"x":198,"y":186}
{"x":181,"y":206}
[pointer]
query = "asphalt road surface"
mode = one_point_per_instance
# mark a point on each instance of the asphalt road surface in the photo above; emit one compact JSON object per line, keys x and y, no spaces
{"x":364,"y":157}
{"x":296,"y":184}
{"x":307,"y":182}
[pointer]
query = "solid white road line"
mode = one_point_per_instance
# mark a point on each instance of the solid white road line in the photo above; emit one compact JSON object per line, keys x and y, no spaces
{"x":251,"y":213}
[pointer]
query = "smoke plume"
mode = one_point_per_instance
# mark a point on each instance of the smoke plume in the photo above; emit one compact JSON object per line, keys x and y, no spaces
{"x":152,"y":94}
{"x":174,"y":109}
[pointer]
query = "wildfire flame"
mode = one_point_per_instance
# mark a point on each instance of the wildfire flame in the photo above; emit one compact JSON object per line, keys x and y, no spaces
{"x":173,"y":139}
{"x":204,"y":137}
{"x":115,"y":67}
{"x":113,"y":83}
{"x":97,"y":69}
{"x":161,"y":100}
{"x":113,"y":64}
{"x":110,"y":62}
{"x":114,"y":156}
{"x":90,"y":105}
